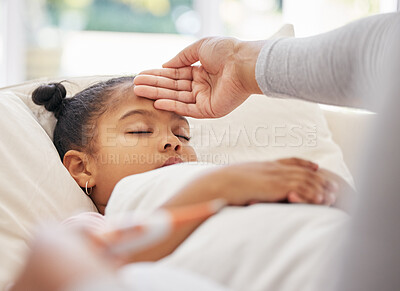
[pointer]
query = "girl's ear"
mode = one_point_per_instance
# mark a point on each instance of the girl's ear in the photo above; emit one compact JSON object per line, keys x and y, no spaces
{"x":77,"y":165}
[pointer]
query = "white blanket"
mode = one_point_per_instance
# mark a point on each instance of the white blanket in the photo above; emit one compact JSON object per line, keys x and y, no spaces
{"x":261,"y":247}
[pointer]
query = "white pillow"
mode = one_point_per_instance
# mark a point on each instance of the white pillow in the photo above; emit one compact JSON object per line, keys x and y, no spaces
{"x":45,"y":118}
{"x":35,"y":186}
{"x":265,"y":128}
{"x":350,"y":129}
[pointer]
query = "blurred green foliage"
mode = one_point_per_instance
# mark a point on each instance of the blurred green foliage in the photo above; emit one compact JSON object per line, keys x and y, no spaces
{"x":121,"y":15}
{"x":373,"y":5}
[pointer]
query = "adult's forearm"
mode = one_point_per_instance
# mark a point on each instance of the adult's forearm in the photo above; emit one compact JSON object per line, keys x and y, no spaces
{"x":338,"y":67}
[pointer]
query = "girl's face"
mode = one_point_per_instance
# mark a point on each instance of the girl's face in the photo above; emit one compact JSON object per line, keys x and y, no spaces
{"x":134,"y":137}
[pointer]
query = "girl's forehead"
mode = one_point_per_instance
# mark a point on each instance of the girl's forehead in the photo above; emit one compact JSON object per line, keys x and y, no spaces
{"x":130,"y":104}
{"x":124,"y":97}
{"x":133,"y":101}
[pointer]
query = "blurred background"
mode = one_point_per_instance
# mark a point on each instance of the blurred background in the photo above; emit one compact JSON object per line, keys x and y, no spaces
{"x":50,"y":38}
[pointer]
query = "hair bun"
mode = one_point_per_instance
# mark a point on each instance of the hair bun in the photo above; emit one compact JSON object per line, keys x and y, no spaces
{"x":51,"y":96}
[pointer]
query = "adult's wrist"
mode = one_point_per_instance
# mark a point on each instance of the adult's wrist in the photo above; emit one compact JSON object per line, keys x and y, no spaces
{"x":246,"y":59}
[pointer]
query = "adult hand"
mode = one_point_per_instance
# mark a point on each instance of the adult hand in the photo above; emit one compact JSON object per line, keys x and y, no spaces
{"x":224,"y":80}
{"x":59,"y":259}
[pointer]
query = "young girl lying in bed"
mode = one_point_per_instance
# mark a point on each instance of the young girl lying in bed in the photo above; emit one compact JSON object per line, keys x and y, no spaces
{"x":105,"y":133}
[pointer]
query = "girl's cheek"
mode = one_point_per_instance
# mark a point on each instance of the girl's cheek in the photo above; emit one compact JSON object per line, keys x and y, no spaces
{"x":129,"y":140}
{"x":190,"y":154}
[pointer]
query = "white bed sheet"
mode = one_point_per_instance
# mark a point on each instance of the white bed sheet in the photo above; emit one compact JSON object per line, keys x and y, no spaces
{"x":261,"y":247}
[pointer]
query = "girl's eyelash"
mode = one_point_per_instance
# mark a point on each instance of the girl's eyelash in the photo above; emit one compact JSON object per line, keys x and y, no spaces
{"x":144,"y":131}
{"x":184,"y":137}
{"x":139,"y":131}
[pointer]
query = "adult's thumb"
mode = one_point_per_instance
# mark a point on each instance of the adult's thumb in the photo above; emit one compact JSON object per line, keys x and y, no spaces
{"x":186,"y":57}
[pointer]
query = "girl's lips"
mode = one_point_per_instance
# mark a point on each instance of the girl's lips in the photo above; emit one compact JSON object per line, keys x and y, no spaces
{"x":172,"y":161}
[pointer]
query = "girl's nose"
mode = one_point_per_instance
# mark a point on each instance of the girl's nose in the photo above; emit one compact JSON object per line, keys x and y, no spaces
{"x":171,"y":143}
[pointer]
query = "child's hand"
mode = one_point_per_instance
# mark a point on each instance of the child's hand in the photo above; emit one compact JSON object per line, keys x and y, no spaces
{"x":295,"y":180}
{"x":345,"y":194}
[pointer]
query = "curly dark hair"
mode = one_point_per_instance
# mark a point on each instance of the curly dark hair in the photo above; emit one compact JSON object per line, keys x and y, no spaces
{"x":76,"y":115}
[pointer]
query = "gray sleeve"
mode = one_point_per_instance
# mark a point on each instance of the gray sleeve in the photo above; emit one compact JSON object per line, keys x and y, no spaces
{"x":336,"y":67}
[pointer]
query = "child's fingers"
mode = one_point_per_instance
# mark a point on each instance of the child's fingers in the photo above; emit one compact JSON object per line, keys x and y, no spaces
{"x":299,"y":162}
{"x":330,"y":199}
{"x":293,"y":197}
{"x":308,"y":195}
{"x":319,"y":183}
{"x":253,"y":201}
{"x":308,"y":189}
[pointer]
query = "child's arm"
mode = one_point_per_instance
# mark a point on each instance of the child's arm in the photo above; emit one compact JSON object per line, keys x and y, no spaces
{"x":240,"y":185}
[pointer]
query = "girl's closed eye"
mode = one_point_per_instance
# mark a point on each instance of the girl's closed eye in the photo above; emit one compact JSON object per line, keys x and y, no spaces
{"x":139,"y":132}
{"x":186,"y":138}
{"x":139,"y":128}
{"x":182,"y":133}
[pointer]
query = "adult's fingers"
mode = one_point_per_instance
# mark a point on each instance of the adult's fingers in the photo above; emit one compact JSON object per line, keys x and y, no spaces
{"x":151,"y":92}
{"x":299,"y":162}
{"x":186,"y":57}
{"x":185,"y":73}
{"x":178,"y":107}
{"x":162,"y":82}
